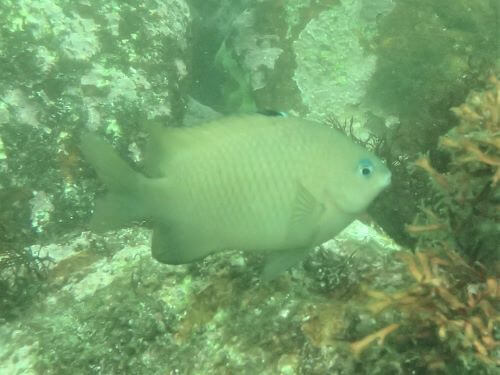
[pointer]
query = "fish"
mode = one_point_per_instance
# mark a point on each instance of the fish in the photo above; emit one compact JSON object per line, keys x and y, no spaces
{"x":275,"y":185}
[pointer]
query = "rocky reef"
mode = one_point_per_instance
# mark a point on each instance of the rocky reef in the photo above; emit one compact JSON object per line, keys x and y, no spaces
{"x":413,"y":287}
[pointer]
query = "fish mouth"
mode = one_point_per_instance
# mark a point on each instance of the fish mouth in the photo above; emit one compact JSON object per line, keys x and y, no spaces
{"x":387,"y":180}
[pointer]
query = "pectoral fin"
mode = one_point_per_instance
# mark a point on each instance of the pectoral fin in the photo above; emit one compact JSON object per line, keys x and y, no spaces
{"x":305,"y":218}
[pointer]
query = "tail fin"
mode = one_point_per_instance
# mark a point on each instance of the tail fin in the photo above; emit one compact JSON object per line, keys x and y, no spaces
{"x":124,"y":201}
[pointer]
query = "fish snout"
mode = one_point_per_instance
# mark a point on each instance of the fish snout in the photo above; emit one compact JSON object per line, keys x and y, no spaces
{"x":386,"y":181}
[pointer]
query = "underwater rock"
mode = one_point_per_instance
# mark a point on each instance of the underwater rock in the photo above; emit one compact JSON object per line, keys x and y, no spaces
{"x":333,"y":69}
{"x":112,"y":308}
{"x":100,"y":65}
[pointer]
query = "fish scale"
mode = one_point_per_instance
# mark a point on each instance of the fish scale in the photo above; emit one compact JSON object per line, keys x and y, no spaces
{"x":270,"y":184}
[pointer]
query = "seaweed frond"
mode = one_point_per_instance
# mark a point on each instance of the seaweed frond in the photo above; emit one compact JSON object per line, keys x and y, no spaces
{"x":449,"y":303}
{"x":21,"y":273}
{"x":449,"y":309}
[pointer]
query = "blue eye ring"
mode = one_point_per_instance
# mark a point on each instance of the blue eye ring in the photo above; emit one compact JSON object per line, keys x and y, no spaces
{"x":365,"y":168}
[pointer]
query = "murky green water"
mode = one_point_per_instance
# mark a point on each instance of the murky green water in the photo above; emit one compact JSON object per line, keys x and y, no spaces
{"x":386,"y":72}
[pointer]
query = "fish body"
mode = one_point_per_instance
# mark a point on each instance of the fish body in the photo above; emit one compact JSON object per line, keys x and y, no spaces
{"x":280,"y":185}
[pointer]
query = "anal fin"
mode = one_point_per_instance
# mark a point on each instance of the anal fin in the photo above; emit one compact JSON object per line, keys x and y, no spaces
{"x":177,"y":244}
{"x":279,"y":261}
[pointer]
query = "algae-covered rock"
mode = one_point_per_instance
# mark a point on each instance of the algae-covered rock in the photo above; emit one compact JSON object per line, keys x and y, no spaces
{"x":69,"y":67}
{"x":105,"y":66}
{"x":111,"y":308}
{"x":304,"y":56}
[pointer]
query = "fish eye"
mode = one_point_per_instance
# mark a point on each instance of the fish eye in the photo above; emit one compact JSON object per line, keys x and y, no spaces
{"x":365,"y":167}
